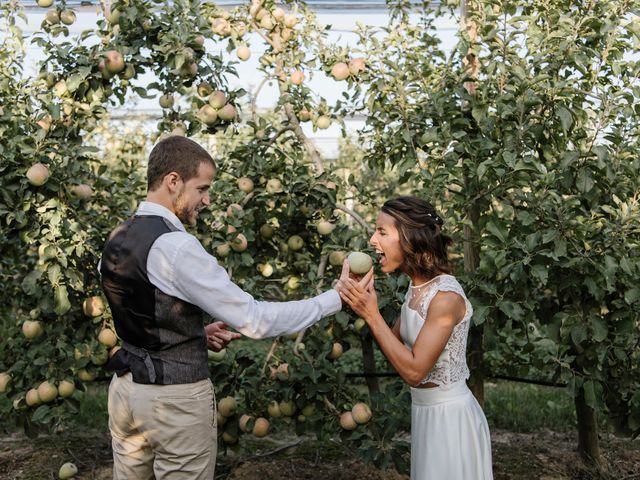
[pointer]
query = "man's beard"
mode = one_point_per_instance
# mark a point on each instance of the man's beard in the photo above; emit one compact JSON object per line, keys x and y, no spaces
{"x":182,"y":209}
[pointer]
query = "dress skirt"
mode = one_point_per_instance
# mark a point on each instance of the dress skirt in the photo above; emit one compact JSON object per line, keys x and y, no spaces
{"x":449,"y":435}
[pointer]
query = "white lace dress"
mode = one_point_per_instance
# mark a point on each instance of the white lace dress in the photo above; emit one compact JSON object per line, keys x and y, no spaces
{"x":449,"y":432}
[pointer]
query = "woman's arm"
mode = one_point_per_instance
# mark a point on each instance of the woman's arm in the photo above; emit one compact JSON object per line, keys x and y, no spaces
{"x":446,"y":310}
{"x":396,"y":329}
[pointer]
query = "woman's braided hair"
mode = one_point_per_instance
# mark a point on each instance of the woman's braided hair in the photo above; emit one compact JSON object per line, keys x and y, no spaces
{"x":421,"y":238}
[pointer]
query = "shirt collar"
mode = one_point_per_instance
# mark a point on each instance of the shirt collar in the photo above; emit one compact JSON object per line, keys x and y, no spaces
{"x":152,"y":208}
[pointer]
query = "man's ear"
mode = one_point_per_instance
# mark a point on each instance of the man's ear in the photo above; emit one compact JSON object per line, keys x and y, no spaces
{"x":172,"y":181}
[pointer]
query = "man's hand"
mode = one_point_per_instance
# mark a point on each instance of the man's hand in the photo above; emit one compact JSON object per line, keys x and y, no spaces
{"x":218,"y":336}
{"x":344,"y":276}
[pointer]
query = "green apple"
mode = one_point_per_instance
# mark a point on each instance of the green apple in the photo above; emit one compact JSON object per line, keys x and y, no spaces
{"x":32,"y":329}
{"x":295,"y":242}
{"x":359,"y":263}
{"x":245,"y":184}
{"x":67,"y":470}
{"x":240,"y":243}
{"x":38,"y":174}
{"x":32,"y":398}
{"x":217,"y":99}
{"x":274,"y":409}
{"x":347,"y":422}
{"x":166,"y":100}
{"x":227,"y":406}
{"x":293,"y":283}
{"x":261,"y":427}
{"x":246,"y":422}
{"x":361,"y":413}
{"x":243,"y":53}
{"x":288,"y":408}
{"x":47,"y":392}
{"x":266,"y":231}
{"x":274,"y":186}
{"x":93,"y":306}
{"x":340,"y":71}
{"x":107,"y":337}
{"x":66,"y":388}
{"x":217,"y":356}
{"x":337,"y":258}
{"x":336,"y":351}
{"x":5,"y":382}
{"x":227,"y":113}
{"x":85,"y":375}
{"x":223,"y":250}
{"x":323,"y":122}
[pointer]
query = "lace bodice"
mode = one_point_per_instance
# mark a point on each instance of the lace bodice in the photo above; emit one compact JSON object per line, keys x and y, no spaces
{"x":451,"y":366}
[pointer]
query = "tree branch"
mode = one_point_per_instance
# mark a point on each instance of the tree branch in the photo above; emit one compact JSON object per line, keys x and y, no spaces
{"x":272,"y":350}
{"x":255,"y":97}
{"x":303,"y":139}
{"x":278,"y":133}
{"x":355,"y":216}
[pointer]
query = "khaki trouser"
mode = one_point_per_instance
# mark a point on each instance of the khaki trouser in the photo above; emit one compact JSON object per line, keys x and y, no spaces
{"x":162,"y":431}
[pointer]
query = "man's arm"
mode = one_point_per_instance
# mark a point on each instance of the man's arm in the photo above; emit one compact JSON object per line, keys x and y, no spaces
{"x":181,"y":267}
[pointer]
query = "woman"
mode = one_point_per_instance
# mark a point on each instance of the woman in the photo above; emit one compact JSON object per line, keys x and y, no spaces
{"x":449,"y":432}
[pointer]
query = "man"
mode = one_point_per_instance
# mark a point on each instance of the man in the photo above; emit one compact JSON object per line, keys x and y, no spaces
{"x":158,"y":280}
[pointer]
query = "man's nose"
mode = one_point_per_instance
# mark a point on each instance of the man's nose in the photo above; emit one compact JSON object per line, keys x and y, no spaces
{"x":206,"y":200}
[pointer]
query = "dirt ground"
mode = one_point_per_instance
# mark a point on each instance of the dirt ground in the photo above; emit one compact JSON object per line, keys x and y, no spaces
{"x":544,"y":455}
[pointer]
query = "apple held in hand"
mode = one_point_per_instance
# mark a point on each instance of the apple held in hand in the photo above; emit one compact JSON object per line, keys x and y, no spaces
{"x":359,"y":263}
{"x":217,"y":356}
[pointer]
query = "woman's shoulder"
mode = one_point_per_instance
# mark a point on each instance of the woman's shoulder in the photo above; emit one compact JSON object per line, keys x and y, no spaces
{"x":450,"y":283}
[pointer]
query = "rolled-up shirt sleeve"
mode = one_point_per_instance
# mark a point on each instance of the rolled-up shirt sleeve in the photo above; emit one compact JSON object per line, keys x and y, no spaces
{"x":179,"y":266}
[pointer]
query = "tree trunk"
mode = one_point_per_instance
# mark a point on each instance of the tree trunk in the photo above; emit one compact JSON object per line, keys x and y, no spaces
{"x":471,"y":241}
{"x":369,"y":364}
{"x":476,"y":333}
{"x":588,"y":444}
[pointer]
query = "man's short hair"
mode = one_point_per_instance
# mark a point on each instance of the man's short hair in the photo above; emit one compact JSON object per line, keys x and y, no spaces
{"x":175,"y":154}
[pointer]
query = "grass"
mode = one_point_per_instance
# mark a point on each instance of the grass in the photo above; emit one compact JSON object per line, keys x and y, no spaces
{"x":511,"y":406}
{"x":93,"y":413}
{"x":524,"y":408}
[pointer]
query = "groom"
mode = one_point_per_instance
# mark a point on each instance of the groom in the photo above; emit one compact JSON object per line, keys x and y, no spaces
{"x":160,"y":282}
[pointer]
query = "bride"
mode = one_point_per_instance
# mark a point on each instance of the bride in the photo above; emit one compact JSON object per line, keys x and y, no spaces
{"x":449,"y":432}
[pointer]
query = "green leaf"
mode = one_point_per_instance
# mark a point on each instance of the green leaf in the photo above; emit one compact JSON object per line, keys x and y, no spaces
{"x":54,"y":274}
{"x":584,"y":181}
{"x":496,"y":231}
{"x":532,"y":241}
{"x":566,"y":119}
{"x":541,"y":273}
{"x":549,"y":235}
{"x":600,"y":329}
{"x":578,"y":334}
{"x":632,"y":295}
{"x":512,"y":309}
{"x":41,"y":413}
{"x":30,"y":282}
{"x":480,"y":315}
{"x":626,"y":266}
{"x":560,"y":248}
{"x":61,"y":299}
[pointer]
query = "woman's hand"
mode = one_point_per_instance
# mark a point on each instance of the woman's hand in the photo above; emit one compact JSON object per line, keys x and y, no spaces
{"x":361,"y":296}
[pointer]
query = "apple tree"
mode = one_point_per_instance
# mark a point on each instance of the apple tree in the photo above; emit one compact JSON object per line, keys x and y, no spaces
{"x":279,"y":222}
{"x":525,"y":136}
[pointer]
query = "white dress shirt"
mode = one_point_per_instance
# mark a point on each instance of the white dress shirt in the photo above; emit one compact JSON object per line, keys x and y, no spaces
{"x":179,"y":266}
